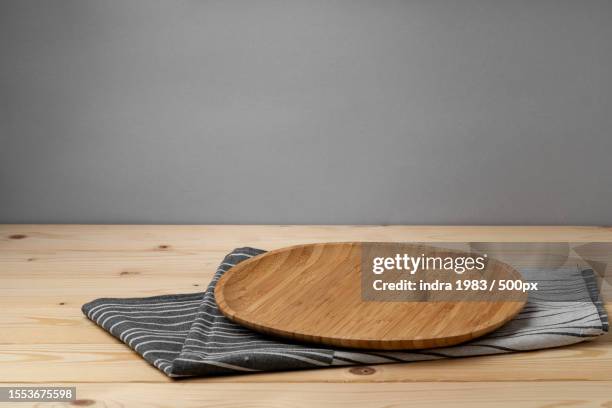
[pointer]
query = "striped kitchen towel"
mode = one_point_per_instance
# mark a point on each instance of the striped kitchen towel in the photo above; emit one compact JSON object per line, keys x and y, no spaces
{"x":186,"y":335}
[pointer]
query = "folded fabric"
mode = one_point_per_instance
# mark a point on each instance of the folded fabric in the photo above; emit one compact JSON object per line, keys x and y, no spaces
{"x":186,"y":335}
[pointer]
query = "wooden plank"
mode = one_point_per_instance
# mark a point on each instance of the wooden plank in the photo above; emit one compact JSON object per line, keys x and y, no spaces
{"x":114,"y":362}
{"x":86,"y":362}
{"x":224,"y":237}
{"x":429,"y":394}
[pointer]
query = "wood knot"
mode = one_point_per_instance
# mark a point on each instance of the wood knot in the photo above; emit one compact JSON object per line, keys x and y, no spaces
{"x":17,"y":236}
{"x":61,"y":303}
{"x":196,"y":284}
{"x":163,"y":247}
{"x":362,"y":370}
{"x":31,"y":259}
{"x":82,"y":402}
{"x":125,"y":273}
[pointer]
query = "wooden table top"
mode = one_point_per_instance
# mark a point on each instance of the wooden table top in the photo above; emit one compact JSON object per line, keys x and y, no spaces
{"x":48,"y":271}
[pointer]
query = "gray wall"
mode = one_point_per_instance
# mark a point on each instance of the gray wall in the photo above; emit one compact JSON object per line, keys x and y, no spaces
{"x":458,"y":112}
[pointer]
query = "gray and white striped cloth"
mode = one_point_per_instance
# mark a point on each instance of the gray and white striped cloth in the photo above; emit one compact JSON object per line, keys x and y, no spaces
{"x":186,"y":335}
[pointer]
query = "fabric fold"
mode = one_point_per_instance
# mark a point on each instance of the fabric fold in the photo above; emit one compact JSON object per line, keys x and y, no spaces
{"x":186,"y":335}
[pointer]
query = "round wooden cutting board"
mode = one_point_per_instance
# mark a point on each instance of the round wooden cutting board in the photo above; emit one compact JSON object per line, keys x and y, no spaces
{"x":312,"y":293}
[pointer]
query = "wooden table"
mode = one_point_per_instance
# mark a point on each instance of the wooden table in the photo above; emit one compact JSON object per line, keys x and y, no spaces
{"x":48,"y":271}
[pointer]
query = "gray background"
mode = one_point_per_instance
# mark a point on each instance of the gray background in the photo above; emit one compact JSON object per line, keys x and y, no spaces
{"x":439,"y":112}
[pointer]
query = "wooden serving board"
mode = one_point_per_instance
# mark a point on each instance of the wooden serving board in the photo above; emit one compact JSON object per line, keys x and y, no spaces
{"x":312,"y":293}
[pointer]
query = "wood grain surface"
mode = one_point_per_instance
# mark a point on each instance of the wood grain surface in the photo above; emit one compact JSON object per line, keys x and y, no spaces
{"x":320,"y":395}
{"x":48,"y":271}
{"x":313,"y":293}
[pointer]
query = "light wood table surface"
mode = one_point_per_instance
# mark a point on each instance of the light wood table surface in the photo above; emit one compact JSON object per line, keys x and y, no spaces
{"x":48,"y":271}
